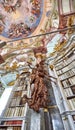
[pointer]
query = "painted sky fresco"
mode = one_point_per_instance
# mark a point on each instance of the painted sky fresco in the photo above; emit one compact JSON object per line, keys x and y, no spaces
{"x":19,"y":18}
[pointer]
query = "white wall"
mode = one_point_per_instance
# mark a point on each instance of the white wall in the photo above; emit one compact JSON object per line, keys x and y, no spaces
{"x":4,"y":98}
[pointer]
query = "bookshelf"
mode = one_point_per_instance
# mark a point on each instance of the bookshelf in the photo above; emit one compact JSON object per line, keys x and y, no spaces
{"x":11,"y":128}
{"x":64,"y":67}
{"x":16,"y":106}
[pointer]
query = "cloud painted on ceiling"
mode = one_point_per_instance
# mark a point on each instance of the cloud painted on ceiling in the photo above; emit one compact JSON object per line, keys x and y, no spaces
{"x":19,"y":18}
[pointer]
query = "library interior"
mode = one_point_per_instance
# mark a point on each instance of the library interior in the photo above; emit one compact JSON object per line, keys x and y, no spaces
{"x":37,"y":64}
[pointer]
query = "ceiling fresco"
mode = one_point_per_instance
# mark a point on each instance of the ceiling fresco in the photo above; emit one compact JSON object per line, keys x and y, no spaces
{"x":19,"y":18}
{"x":20,"y":21}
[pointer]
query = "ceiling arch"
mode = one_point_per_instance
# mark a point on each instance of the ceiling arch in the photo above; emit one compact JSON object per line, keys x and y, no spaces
{"x":19,"y":18}
{"x":49,"y":21}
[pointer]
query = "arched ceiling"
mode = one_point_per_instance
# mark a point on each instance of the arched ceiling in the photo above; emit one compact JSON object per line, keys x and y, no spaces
{"x":20,"y":18}
{"x":43,"y":25}
{"x":21,"y":21}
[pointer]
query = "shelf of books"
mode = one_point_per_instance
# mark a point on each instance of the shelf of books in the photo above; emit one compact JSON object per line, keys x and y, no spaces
{"x":64,"y":65}
{"x":16,"y":107}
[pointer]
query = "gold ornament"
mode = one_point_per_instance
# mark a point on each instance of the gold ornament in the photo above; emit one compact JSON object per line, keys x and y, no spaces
{"x":51,"y":67}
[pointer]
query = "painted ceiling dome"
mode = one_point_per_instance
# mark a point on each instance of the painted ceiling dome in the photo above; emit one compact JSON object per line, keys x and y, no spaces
{"x":19,"y":18}
{"x":32,"y":26}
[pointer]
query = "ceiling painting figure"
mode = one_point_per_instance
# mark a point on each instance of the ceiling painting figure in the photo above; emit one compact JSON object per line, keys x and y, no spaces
{"x":19,"y":18}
